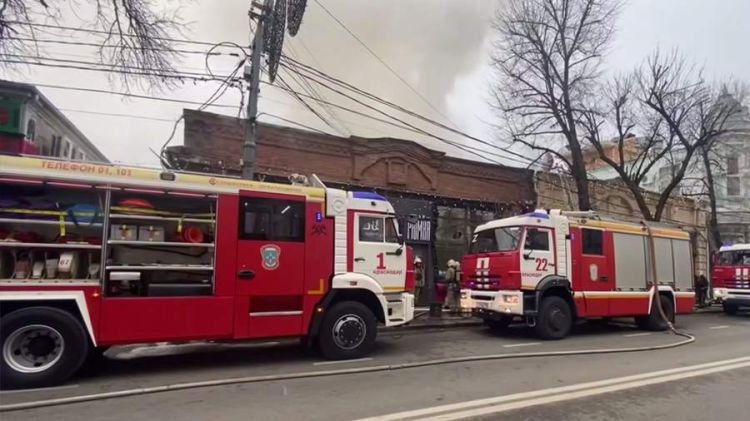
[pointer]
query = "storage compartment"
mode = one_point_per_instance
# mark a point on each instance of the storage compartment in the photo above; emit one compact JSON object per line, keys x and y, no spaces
{"x":50,"y":232}
{"x":168,"y":243}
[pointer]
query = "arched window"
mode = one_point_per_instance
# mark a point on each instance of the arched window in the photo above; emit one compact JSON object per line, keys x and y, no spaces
{"x":31,"y":130}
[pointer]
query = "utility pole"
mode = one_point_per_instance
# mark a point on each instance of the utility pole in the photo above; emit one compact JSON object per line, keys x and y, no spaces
{"x":251,"y":126}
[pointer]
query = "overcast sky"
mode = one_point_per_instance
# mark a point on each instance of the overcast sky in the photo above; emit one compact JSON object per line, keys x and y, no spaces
{"x":441,"y":47}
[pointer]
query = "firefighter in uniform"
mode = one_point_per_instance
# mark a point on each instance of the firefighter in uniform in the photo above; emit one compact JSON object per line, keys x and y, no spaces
{"x":701,"y":289}
{"x":454,"y":288}
{"x":418,"y":278}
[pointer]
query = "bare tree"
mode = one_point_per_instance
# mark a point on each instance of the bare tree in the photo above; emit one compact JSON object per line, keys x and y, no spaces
{"x":548,"y":58}
{"x":133,"y":35}
{"x":676,"y":113}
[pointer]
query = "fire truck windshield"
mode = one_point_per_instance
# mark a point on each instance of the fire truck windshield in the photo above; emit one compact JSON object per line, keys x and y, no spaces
{"x":498,"y":239}
{"x":734,"y":258}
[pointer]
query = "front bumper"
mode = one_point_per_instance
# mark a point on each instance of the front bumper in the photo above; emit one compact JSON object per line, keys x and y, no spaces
{"x":497,"y":302}
{"x":733,"y":296}
{"x":399,"y":309}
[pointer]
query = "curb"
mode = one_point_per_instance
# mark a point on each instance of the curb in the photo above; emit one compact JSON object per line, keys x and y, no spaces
{"x":433,"y":325}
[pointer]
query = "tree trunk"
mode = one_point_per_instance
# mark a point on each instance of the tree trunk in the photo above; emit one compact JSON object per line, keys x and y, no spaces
{"x":713,"y":223}
{"x":578,"y":171}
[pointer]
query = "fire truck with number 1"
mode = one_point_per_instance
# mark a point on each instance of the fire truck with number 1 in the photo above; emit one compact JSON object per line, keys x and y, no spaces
{"x":98,"y":255}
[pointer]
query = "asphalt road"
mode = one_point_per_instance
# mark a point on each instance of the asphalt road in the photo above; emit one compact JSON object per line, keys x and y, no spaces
{"x":560,"y":387}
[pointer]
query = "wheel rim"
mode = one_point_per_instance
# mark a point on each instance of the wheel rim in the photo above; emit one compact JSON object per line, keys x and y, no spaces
{"x":349,"y":331}
{"x":33,"y":348}
{"x":557,"y":319}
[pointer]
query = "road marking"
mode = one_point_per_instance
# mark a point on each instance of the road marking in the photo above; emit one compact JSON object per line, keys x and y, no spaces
{"x":523,"y":344}
{"x":520,"y":400}
{"x":719,"y":327}
{"x":342,"y":361}
{"x":40,"y":389}
{"x":633,"y":335}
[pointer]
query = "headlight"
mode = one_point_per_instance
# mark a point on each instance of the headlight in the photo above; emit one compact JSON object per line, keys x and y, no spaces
{"x":510,"y":299}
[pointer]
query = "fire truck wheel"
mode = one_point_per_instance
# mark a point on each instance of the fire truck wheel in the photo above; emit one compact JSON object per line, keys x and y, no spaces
{"x":554,"y":319}
{"x":41,"y":346}
{"x":730,"y":309}
{"x":348,"y":331}
{"x":654,"y":321}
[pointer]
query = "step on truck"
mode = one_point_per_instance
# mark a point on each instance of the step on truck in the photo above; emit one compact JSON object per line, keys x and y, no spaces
{"x":93,"y":256}
{"x":730,"y":277}
{"x":552,"y":268}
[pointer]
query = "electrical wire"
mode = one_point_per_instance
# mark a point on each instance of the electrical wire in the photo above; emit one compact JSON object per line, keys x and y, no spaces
{"x":93,"y":44}
{"x":315,"y":75}
{"x":218,"y":93}
{"x":142,"y":117}
{"x":125,"y":94}
{"x":178,"y":75}
{"x":107,"y":33}
{"x":383,"y":62}
{"x":483,"y":154}
{"x":286,"y":120}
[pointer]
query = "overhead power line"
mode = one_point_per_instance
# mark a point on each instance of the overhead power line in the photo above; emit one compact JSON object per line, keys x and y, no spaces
{"x":126,"y":94}
{"x":140,"y":117}
{"x":100,"y":32}
{"x":93,"y":44}
{"x":484,"y":155}
{"x":315,"y":75}
{"x":383,"y":62}
{"x":113,"y":68}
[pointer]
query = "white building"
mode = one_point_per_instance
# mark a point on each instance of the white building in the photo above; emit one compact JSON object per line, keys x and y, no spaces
{"x":731,"y":172}
{"x":31,"y":124}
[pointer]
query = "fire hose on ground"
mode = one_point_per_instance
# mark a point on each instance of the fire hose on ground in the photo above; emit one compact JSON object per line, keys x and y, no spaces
{"x":372,"y":369}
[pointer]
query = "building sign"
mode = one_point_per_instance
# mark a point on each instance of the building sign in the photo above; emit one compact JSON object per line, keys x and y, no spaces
{"x":10,"y":116}
{"x":420,"y":230}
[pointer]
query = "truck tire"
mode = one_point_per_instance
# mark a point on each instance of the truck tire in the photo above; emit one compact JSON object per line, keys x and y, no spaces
{"x":654,"y":320}
{"x":554,"y":319}
{"x":730,"y":309}
{"x":348,"y":331}
{"x":40,"y":346}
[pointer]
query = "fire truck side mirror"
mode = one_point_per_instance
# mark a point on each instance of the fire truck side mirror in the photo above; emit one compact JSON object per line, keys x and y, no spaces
{"x":527,"y":255}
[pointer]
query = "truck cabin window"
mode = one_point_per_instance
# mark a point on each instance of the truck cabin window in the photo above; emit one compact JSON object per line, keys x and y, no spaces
{"x":378,"y":229}
{"x":495,"y":240}
{"x":734,"y":258}
{"x":537,"y":239}
{"x":272,"y":220}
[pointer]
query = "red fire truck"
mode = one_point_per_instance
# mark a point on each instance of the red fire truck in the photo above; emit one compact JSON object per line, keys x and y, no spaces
{"x":98,"y":255}
{"x":553,"y":268}
{"x":731,"y":277}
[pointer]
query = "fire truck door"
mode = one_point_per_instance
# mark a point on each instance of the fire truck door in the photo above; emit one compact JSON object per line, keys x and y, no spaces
{"x":594,"y":271}
{"x":377,"y":252}
{"x":538,"y":257}
{"x":270,"y":265}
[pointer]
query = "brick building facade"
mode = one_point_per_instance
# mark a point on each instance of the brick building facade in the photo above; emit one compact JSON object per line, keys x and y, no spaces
{"x":450,"y":196}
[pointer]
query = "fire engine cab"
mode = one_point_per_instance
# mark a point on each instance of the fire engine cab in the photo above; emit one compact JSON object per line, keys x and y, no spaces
{"x":731,"y":277}
{"x":98,"y":255}
{"x":553,"y":268}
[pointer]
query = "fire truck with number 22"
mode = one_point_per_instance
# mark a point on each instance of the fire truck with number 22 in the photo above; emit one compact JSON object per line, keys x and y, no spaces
{"x":551,"y":268}
{"x":93,"y":256}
